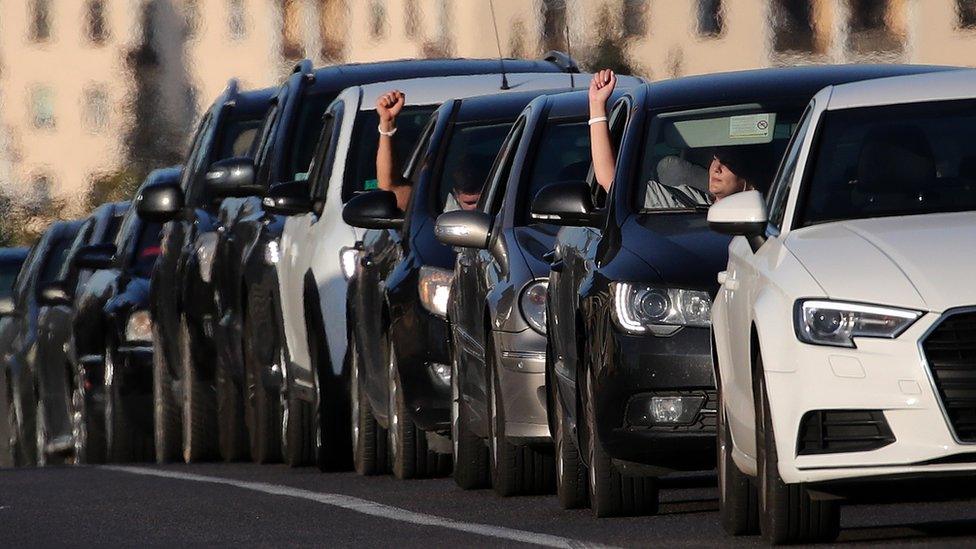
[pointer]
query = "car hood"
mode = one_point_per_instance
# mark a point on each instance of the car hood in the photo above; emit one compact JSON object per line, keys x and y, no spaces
{"x":923,"y":262}
{"x":680,"y":248}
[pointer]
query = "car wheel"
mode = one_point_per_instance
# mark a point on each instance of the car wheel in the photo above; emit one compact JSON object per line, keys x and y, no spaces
{"x":263,"y":403}
{"x":515,"y":469}
{"x":167,"y":420}
{"x":26,"y":419}
{"x":788,"y":514}
{"x":199,"y":405}
{"x":471,"y":459}
{"x":230,"y":418}
{"x":368,"y":438}
{"x":409,"y":454}
{"x":571,"y":473}
{"x":296,"y":430}
{"x":612,"y":494}
{"x":40,"y":434}
{"x":738,"y":500}
{"x":124,"y":443}
{"x":87,"y":431}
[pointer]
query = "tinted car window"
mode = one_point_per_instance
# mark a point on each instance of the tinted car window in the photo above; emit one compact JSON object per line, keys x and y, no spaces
{"x":893,"y":160}
{"x":305,"y":136}
{"x":470,"y":153}
{"x":8,"y":275}
{"x":55,"y":259}
{"x":238,"y":139}
{"x":780,"y":191}
{"x":681,"y":146}
{"x":563,"y":154}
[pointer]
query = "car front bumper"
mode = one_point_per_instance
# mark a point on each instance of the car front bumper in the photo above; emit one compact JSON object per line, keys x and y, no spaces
{"x":522,"y":379}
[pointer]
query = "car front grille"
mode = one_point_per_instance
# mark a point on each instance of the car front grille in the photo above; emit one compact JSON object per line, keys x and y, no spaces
{"x":835,"y":431}
{"x":950,"y":350}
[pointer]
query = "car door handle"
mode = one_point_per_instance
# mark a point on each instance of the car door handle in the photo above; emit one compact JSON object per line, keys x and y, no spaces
{"x":557,"y":266}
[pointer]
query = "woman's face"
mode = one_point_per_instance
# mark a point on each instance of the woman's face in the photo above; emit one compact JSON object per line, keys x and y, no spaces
{"x":722,"y":181}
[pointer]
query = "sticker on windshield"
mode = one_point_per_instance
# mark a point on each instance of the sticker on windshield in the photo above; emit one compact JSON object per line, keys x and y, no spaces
{"x":370,"y":184}
{"x":749,"y":125}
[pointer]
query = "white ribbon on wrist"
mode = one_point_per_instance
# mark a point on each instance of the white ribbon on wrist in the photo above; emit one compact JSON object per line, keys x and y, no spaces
{"x":596,"y":120}
{"x":386,"y":133}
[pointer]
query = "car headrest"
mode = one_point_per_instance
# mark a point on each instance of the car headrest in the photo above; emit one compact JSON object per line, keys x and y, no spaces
{"x":894,"y":159}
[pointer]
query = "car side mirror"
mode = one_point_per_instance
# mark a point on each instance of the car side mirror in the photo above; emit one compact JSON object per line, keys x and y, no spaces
{"x":741,"y":214}
{"x":54,"y":294}
{"x":7,"y":306}
{"x":567,"y":203}
{"x":95,"y":256}
{"x":291,"y":198}
{"x":233,"y":177}
{"x":464,"y":229}
{"x":373,"y":210}
{"x":160,"y":203}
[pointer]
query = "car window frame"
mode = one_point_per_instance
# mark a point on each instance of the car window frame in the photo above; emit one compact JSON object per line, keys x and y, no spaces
{"x":780,"y":189}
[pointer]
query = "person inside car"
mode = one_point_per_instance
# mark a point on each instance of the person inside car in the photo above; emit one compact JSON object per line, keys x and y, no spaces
{"x":682,"y":183}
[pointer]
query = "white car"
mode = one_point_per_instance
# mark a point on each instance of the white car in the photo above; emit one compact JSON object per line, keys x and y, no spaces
{"x":845,"y":328}
{"x":317,"y":251}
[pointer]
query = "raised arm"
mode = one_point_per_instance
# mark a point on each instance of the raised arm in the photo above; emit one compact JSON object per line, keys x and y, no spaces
{"x":388,"y":106}
{"x":604,"y":157}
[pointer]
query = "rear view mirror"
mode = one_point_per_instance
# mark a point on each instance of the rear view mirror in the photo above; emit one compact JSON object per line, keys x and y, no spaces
{"x":373,"y":210}
{"x":464,"y":229}
{"x":160,"y":203}
{"x":567,"y":204}
{"x":740,"y":214}
{"x":290,"y":198}
{"x":7,"y":306}
{"x":54,"y":294}
{"x":94,"y":257}
{"x":233,"y":177}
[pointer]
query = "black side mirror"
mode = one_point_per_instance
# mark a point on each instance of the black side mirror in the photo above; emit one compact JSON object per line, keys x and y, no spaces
{"x":373,"y":210}
{"x":233,"y":177}
{"x":160,"y":203}
{"x":7,"y":306}
{"x":54,"y":294}
{"x":566,"y":204}
{"x":94,"y":257}
{"x":290,"y":198}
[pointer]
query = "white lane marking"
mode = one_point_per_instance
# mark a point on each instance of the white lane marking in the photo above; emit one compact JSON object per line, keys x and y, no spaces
{"x":367,"y":507}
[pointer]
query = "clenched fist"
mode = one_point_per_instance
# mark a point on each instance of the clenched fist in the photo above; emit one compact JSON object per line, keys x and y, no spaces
{"x":601,"y":87}
{"x":389,"y":105}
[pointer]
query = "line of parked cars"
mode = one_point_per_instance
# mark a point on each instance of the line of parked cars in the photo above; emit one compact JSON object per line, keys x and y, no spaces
{"x":481,"y":274}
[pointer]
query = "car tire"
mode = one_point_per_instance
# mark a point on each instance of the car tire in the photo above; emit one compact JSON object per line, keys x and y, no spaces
{"x":470,"y":453}
{"x":124,"y":442}
{"x":613,"y":494}
{"x":262,"y":412}
{"x":167,"y":418}
{"x":368,"y":438}
{"x":571,"y":474}
{"x":332,"y":416}
{"x":199,"y":406}
{"x":410,"y":456}
{"x":738,"y":499}
{"x":87,"y":428}
{"x":515,"y":469}
{"x":788,"y":514}
{"x":296,"y":431}
{"x":233,"y":441}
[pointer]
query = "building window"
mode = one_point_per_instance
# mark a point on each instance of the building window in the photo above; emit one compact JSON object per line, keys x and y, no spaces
{"x":191,"y":17}
{"x":711,"y":19}
{"x":869,"y":28}
{"x":634,"y":17}
{"x":411,"y":19}
{"x":39,"y":12}
{"x":554,"y":24}
{"x":377,"y":19}
{"x":236,"y":19}
{"x":793,"y":26}
{"x":966,"y":14}
{"x":332,"y":28}
{"x":95,"y":109}
{"x":39,"y":200}
{"x":95,"y":21}
{"x":42,"y":107}
{"x":291,"y":29}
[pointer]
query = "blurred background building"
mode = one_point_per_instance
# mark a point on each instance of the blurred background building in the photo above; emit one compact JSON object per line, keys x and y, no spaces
{"x":94,"y":93}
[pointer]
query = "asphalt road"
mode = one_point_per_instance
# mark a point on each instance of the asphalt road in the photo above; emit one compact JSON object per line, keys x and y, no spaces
{"x":242,"y":504}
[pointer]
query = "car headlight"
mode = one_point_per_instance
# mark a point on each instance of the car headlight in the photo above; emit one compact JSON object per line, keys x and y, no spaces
{"x":349,"y":261}
{"x":639,"y":309}
{"x":836,"y":323}
{"x":435,"y":289}
{"x":206,"y":250}
{"x":139,"y":327}
{"x":272,"y":253}
{"x":533,"y":304}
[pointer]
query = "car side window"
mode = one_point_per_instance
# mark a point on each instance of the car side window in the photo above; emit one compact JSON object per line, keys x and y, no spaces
{"x":416,"y":161}
{"x":321,"y":169}
{"x":197,"y":152}
{"x":780,"y":190}
{"x":266,"y":139}
{"x":497,"y":180}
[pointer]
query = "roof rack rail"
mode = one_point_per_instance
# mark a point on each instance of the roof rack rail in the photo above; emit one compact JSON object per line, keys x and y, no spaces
{"x":561,"y":60}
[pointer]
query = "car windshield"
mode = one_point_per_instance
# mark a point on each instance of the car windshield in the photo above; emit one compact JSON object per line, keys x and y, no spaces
{"x":147,"y":250}
{"x":305,"y":136}
{"x":684,"y":148}
{"x":892,"y":160}
{"x":563,"y":155}
{"x":470,"y":153}
{"x":361,"y":159}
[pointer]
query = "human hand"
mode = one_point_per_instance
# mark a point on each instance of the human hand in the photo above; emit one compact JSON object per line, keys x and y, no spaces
{"x":601,"y":87}
{"x":389,"y":105}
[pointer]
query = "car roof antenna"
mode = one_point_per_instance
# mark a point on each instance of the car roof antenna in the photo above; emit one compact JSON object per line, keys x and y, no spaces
{"x":498,"y":43}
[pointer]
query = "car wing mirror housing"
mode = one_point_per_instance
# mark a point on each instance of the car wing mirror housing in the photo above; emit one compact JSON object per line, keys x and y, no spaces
{"x":94,"y":257}
{"x":567,"y":203}
{"x":233,"y":177}
{"x":373,"y":210}
{"x":54,"y":294}
{"x":464,"y":229}
{"x":160,"y":203}
{"x":741,"y":214}
{"x":7,"y":306}
{"x":291,"y":198}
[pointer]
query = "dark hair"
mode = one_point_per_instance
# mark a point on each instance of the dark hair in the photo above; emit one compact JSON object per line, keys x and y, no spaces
{"x":466,"y":176}
{"x":750,"y":162}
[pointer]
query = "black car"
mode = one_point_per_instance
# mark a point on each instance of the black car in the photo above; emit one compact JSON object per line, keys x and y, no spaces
{"x":181,"y":290}
{"x":11,"y":260}
{"x":244,"y":271}
{"x":63,"y":381}
{"x":497,"y":305}
{"x":18,"y":332}
{"x":633,"y":276}
{"x":112,"y":320}
{"x":397,"y":303}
